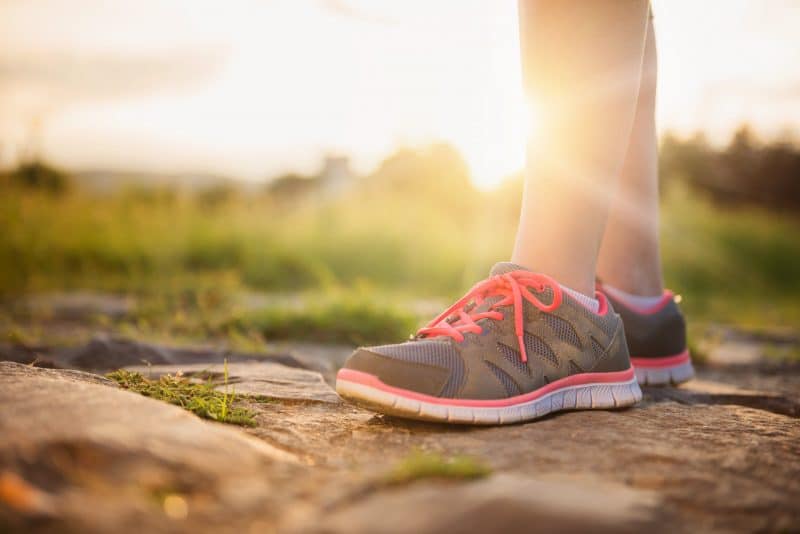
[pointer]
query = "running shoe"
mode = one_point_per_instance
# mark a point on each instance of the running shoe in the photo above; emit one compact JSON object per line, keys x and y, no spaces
{"x":656,"y":339}
{"x":516,"y":347}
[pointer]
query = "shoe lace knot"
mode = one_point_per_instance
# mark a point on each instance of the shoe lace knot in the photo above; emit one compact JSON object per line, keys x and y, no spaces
{"x":513,"y":287}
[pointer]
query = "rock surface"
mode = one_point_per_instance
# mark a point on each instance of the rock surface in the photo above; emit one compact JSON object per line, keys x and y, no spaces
{"x":102,"y":459}
{"x":79,"y":454}
{"x":502,"y":503}
{"x":105,"y":352}
{"x":258,"y":379}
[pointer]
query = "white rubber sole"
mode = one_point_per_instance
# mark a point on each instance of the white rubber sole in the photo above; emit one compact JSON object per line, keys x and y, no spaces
{"x":664,"y":376}
{"x":579,"y":397}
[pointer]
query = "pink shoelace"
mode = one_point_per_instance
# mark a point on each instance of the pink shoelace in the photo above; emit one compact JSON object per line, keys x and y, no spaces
{"x":512,"y":287}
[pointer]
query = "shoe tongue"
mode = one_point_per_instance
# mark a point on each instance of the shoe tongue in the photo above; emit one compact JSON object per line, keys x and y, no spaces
{"x":506,"y":267}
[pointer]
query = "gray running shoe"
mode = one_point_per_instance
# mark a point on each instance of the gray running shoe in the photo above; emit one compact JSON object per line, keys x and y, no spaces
{"x":514,"y":348}
{"x":656,"y":340}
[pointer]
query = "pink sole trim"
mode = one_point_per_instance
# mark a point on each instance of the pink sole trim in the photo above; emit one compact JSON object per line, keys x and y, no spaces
{"x":366,"y":379}
{"x":666,"y":361}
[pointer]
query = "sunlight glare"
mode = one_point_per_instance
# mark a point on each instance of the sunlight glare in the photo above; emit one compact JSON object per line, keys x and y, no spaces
{"x":263,"y":88}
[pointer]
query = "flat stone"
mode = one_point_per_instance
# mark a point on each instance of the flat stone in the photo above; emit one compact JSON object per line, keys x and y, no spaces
{"x":700,"y":391}
{"x":78,"y":454}
{"x":736,"y":353}
{"x":729,"y":346}
{"x":110,"y":352}
{"x":713,"y":455}
{"x":262,"y":379}
{"x":774,"y":378}
{"x":8,"y":370}
{"x":326,"y":359}
{"x":502,"y":503}
{"x":104,"y":459}
{"x":104,"y":352}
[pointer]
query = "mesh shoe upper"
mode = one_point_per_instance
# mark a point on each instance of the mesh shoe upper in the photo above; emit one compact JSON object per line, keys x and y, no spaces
{"x":489,"y":364}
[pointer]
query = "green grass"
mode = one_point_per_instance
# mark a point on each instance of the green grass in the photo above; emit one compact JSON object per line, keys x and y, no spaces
{"x":122,"y":244}
{"x":736,"y":266}
{"x":358,"y":318}
{"x":246,"y":320}
{"x":348,"y":269}
{"x":421,"y":465}
{"x":783,"y":353}
{"x":201,"y":399}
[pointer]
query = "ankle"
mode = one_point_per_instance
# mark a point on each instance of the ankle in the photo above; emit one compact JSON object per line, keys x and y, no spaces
{"x":634,"y":301}
{"x":640,"y":275}
{"x":570,"y":274}
{"x":635,"y":286}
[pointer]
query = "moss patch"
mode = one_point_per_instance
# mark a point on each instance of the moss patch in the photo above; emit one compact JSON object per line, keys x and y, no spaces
{"x":421,"y":465}
{"x":199,"y":398}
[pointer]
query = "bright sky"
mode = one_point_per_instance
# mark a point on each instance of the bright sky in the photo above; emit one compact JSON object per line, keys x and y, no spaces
{"x":255,"y":88}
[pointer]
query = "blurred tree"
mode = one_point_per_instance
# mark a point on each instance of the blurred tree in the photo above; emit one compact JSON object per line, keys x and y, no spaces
{"x":217,"y":195}
{"x":39,"y":175}
{"x":292,"y":186}
{"x":133,"y":193}
{"x":739,"y":168}
{"x":688,"y":161}
{"x":746,"y":171}
{"x":780,"y":176}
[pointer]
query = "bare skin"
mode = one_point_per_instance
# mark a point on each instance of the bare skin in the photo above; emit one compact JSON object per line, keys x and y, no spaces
{"x":582,"y":64}
{"x":629,"y":255}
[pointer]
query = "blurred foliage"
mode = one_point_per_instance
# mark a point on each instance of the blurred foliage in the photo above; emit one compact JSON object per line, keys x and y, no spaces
{"x":358,"y":319}
{"x":415,"y":227}
{"x":218,"y":195}
{"x":746,"y":172}
{"x":290,"y":186}
{"x":37,"y":175}
{"x":420,"y":465}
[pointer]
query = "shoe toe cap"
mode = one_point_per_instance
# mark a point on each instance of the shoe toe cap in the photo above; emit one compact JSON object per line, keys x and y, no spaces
{"x":403,"y":366}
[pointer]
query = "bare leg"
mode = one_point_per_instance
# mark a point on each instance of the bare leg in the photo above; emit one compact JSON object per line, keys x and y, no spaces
{"x":629,"y":257}
{"x":582,"y":65}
